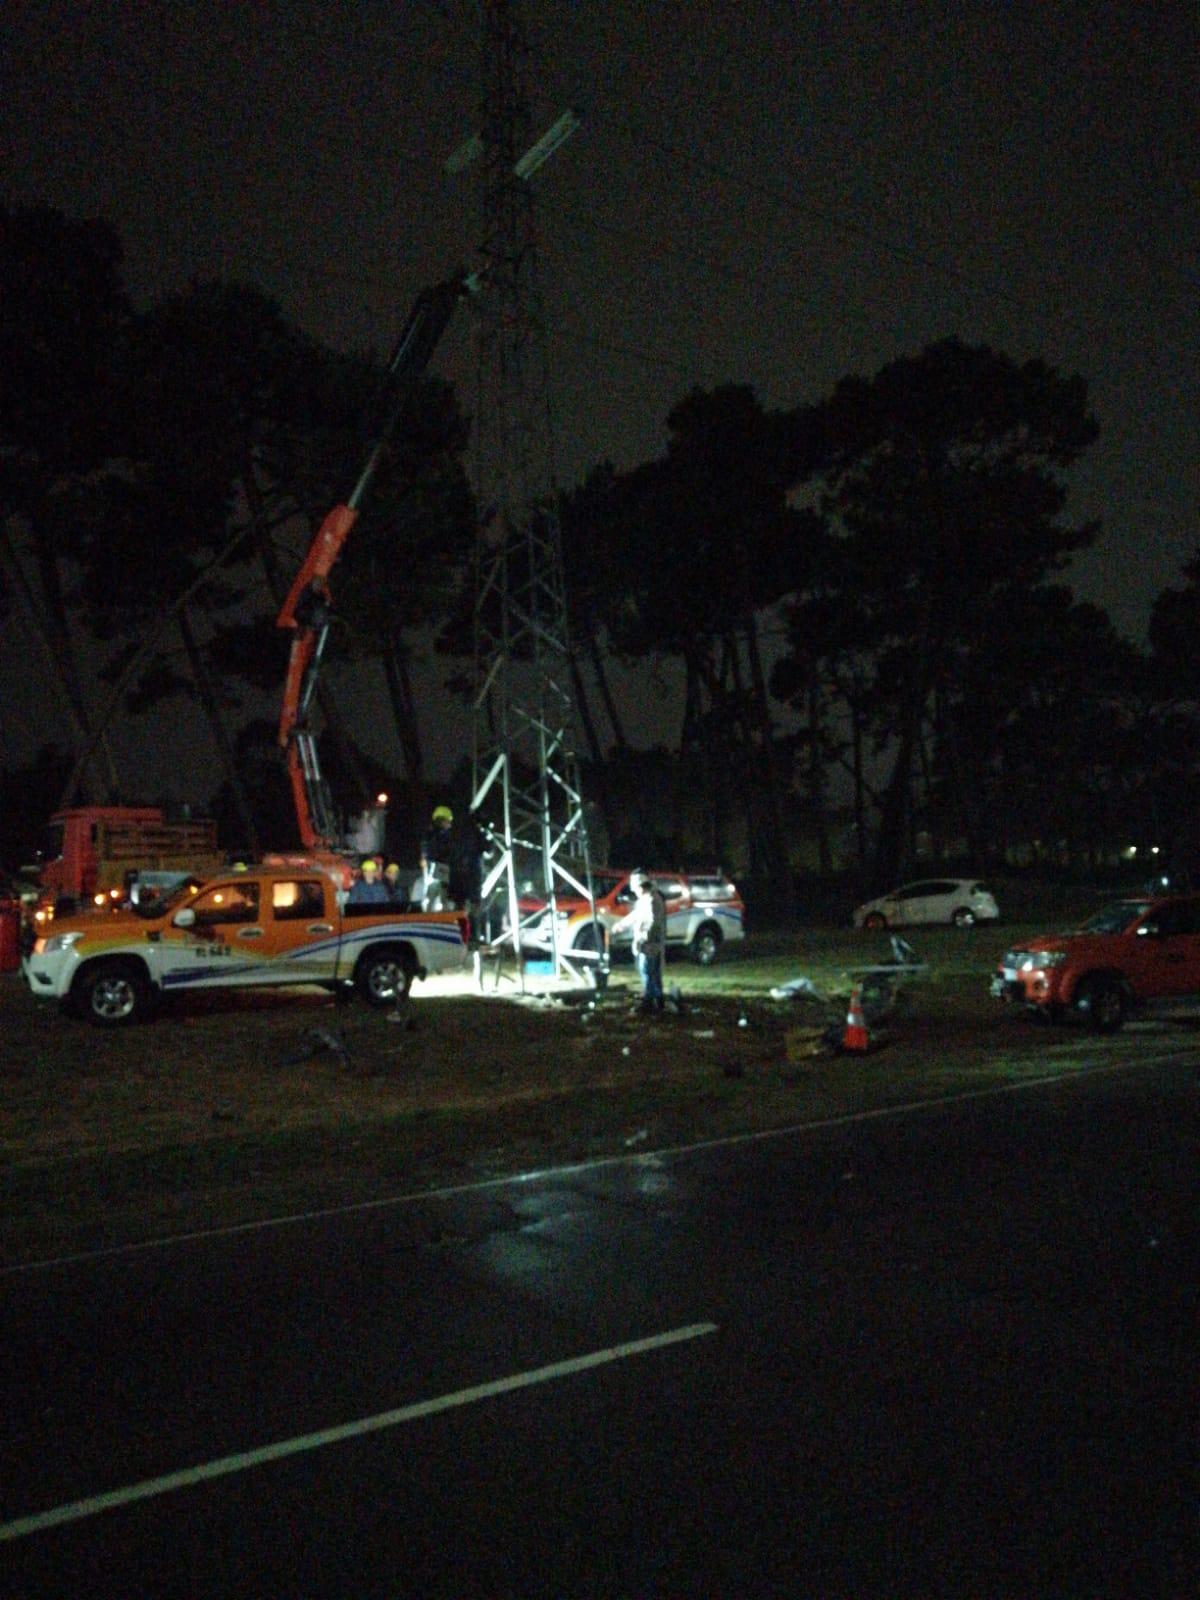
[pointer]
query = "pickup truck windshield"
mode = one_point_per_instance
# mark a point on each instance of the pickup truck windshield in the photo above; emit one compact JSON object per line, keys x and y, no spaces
{"x":1115,"y":918}
{"x":155,"y":905}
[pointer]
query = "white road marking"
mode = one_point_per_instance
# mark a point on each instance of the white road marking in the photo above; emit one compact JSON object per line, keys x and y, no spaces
{"x":244,"y":1460}
{"x":573,"y":1169}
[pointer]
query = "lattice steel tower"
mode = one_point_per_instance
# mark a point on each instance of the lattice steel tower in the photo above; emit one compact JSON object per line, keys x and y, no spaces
{"x":526,"y":779}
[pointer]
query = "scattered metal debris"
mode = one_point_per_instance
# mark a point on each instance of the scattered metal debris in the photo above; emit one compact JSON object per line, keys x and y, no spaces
{"x":801,"y":988}
{"x":804,"y":1044}
{"x":402,"y":1013}
{"x":320,"y":1041}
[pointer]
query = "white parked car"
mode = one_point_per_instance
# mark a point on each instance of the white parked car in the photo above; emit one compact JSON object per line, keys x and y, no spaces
{"x":960,"y":901}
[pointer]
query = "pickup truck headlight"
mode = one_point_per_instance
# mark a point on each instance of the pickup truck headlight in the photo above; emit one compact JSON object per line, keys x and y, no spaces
{"x":1038,"y":960}
{"x":55,"y":943}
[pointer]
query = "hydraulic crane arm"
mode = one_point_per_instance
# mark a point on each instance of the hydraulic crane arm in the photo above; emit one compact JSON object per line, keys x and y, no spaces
{"x":308,"y":608}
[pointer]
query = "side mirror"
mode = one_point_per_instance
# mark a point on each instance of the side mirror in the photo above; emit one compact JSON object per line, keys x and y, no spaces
{"x":185,"y":918}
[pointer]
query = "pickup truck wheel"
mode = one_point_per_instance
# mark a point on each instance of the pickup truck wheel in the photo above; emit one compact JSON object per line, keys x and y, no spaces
{"x":384,"y":976}
{"x":1102,"y":1003}
{"x":963,"y":917}
{"x":112,"y":993}
{"x":706,"y":944}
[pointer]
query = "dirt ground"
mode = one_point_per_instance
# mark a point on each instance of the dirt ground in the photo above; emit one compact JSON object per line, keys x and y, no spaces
{"x":231,"y":1107}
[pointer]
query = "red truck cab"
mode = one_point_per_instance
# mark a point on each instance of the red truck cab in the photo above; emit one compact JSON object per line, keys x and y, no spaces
{"x":93,"y":850}
{"x":1132,"y":953}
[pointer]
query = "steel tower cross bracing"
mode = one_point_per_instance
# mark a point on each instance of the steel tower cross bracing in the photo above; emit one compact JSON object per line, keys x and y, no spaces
{"x":527,"y":796}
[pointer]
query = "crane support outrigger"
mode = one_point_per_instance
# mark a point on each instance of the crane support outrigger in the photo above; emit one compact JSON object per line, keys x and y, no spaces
{"x":308,"y":608}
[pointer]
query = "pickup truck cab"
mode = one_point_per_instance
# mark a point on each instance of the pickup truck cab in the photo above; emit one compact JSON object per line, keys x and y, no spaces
{"x":1132,"y":953}
{"x":266,"y":927}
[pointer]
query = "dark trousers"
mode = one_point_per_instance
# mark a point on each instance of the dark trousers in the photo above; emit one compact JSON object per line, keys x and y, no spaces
{"x":650,"y":971}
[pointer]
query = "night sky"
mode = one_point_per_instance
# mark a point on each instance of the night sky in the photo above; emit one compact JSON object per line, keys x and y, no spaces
{"x":777,"y":194}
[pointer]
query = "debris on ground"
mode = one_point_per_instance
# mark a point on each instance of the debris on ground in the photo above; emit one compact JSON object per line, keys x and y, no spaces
{"x":402,"y":1013}
{"x":801,"y":988}
{"x":903,"y":954}
{"x":861,"y":1033}
{"x":883,"y":981}
{"x":805,"y":1044}
{"x":319,"y":1041}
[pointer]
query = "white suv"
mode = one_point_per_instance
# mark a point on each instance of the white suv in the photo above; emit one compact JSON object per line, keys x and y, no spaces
{"x":704,"y":911}
{"x":960,"y":901}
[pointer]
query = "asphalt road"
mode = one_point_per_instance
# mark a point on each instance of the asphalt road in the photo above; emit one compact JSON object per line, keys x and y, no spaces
{"x":947,"y":1351}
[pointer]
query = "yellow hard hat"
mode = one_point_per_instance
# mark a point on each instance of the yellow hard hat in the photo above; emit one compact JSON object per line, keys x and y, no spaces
{"x":443,"y":814}
{"x":370,"y":865}
{"x":391,"y":867}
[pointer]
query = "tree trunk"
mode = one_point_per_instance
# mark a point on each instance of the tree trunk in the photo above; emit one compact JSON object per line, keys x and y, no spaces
{"x":56,"y":642}
{"x":726,"y":749}
{"x":860,"y":801}
{"x":599,"y":770}
{"x":212,"y":710}
{"x":148,"y":642}
{"x":404,"y":708}
{"x":778,"y":855}
{"x":584,"y":707}
{"x":687,"y":742}
{"x":964,"y":791}
{"x":598,"y":667}
{"x":816,"y":777}
{"x":891,"y":849}
{"x":932,"y":823}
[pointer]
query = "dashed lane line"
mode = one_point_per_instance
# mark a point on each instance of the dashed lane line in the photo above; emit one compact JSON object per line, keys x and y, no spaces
{"x":245,"y":1460}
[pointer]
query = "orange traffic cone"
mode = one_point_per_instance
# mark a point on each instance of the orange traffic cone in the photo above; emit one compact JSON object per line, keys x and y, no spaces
{"x":854,"y":1036}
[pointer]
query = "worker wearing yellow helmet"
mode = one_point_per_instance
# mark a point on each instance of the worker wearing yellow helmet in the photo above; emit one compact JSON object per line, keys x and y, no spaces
{"x":367,"y":889}
{"x":435,"y":859}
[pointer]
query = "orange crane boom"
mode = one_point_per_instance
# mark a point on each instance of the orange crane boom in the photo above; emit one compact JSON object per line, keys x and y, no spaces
{"x":308,"y":608}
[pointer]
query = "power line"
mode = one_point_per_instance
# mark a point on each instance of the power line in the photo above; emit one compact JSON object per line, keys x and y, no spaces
{"x":729,"y":104}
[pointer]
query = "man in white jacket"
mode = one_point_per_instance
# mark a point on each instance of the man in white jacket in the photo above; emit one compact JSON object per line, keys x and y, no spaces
{"x":647,"y":922}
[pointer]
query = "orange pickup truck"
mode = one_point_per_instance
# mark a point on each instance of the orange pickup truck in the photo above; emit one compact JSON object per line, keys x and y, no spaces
{"x":270,"y":926}
{"x":1132,"y":954}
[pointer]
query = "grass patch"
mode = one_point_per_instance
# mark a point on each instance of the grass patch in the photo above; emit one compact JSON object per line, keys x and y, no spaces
{"x":237,"y":1107}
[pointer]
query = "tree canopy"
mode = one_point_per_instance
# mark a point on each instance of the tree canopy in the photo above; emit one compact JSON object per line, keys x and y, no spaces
{"x":864,"y":592}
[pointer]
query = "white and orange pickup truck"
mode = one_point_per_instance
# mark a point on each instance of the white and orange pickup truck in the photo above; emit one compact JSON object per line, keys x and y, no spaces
{"x":268,"y":927}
